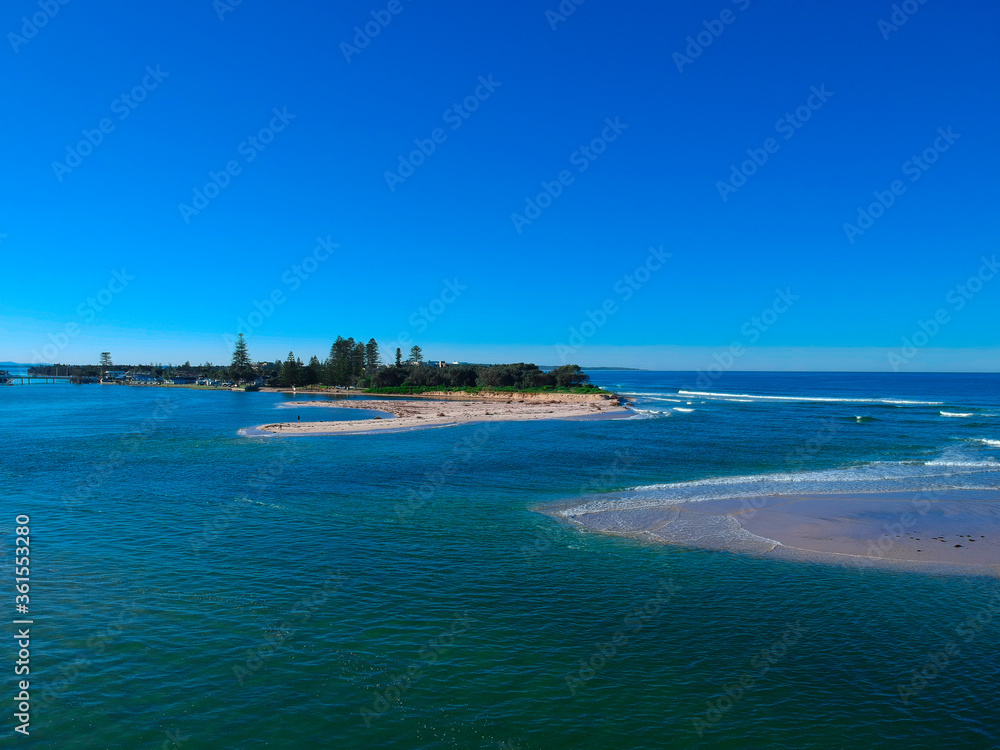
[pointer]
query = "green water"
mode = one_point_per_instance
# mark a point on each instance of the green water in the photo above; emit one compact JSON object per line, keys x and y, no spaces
{"x":194,"y":588}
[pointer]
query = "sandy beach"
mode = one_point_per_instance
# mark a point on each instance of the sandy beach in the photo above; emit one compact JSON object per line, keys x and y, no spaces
{"x":448,"y":410}
{"x":944,"y":530}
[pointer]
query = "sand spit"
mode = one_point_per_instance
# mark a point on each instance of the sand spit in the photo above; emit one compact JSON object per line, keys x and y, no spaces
{"x":453,"y":410}
{"x":942,"y":531}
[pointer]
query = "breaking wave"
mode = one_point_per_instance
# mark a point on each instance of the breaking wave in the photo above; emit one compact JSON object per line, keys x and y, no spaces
{"x":952,"y":471}
{"x":823,"y":399}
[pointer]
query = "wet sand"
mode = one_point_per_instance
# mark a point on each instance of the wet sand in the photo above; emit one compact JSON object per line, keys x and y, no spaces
{"x":944,"y":530}
{"x":405,"y":415}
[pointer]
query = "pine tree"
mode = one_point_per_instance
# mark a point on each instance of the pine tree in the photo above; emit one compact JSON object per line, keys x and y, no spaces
{"x":241,"y":369}
{"x":416,"y":354}
{"x":290,"y":371}
{"x":342,"y":360}
{"x":357,"y":361}
{"x":329,"y":375}
{"x":372,"y":359}
{"x":314,"y":372}
{"x":399,"y":357}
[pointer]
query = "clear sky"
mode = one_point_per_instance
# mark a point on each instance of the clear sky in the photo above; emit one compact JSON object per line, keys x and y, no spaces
{"x":129,"y":246}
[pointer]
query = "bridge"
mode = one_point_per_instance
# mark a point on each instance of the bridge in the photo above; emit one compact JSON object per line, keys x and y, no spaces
{"x":6,"y":379}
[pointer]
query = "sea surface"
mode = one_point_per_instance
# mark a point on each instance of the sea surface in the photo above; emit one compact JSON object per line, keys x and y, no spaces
{"x":194,"y":587}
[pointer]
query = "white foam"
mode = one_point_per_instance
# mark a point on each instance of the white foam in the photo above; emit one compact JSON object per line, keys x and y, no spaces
{"x":658,"y":394}
{"x":991,"y":443}
{"x":255,"y":433}
{"x":956,"y":414}
{"x":830,"y":399}
{"x":686,"y":411}
{"x":647,"y":413}
{"x":988,"y":464}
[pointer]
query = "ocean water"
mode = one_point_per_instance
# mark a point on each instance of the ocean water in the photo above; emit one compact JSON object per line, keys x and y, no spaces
{"x":192,"y":587}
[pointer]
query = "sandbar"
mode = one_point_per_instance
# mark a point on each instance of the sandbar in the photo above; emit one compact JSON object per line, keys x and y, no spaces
{"x":946,"y":530}
{"x":448,"y":411}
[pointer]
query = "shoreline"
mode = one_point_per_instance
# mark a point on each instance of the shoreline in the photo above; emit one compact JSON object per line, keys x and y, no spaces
{"x":407,"y":414}
{"x":946,"y":531}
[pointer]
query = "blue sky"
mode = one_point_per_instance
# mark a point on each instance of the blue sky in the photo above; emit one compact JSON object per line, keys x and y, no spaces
{"x":438,"y":240}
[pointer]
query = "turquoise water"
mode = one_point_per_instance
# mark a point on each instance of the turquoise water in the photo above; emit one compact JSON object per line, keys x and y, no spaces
{"x":196,"y":587}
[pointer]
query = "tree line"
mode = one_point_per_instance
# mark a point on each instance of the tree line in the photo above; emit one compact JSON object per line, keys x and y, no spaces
{"x":519,"y":375}
{"x":350,"y":363}
{"x":358,"y":364}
